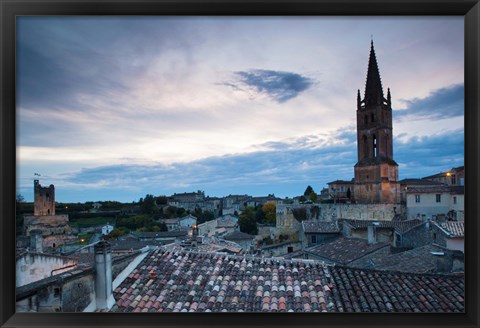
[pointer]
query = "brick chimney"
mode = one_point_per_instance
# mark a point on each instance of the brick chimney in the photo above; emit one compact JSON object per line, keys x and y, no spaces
{"x":103,"y":280}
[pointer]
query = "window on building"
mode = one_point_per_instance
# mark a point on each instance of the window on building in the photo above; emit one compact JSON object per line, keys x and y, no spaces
{"x":417,"y":198}
{"x":438,"y":198}
{"x":314,"y":239}
{"x":455,"y":199}
{"x":289,"y":249}
{"x":454,"y":179}
{"x":374,"y":146}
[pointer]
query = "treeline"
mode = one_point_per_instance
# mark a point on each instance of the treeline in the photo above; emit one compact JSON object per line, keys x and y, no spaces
{"x":263,"y":214}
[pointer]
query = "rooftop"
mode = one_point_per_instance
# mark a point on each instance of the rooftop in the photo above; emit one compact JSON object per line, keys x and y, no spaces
{"x":320,"y":227}
{"x":419,"y":260}
{"x":452,"y":228}
{"x":345,"y":250}
{"x":238,"y":235}
{"x":421,"y":182}
{"x":400,"y":226}
{"x":179,"y":281}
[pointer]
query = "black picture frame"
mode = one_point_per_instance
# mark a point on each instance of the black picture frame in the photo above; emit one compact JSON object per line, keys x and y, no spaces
{"x":470,"y":9}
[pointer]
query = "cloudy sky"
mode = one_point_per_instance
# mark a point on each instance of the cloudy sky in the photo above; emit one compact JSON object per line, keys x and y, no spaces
{"x":113,"y":108}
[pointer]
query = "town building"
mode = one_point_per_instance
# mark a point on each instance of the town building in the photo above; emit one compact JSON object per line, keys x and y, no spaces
{"x":454,"y":177}
{"x":341,"y":190}
{"x":106,"y":229}
{"x":317,"y":232}
{"x":435,"y":202}
{"x":449,"y":234}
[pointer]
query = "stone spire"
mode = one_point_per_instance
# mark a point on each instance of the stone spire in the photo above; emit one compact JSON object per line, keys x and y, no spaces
{"x":373,"y":89}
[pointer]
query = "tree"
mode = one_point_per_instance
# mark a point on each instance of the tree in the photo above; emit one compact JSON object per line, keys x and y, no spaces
{"x":247,"y":222}
{"x":270,"y":210}
{"x":308,"y":191}
{"x":163,"y":227}
{"x":313,"y":196}
{"x":259,"y":214}
{"x":147,"y":204}
{"x":162,"y":200}
{"x":300,"y":213}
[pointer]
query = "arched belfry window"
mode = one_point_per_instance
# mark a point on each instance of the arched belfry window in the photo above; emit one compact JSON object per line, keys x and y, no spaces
{"x":374,"y":146}
{"x":366,"y":119}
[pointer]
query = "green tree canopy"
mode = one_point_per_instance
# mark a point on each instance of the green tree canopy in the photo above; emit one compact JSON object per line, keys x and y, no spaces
{"x":270,"y":210}
{"x":147,"y":204}
{"x":247,"y":222}
{"x":308,"y":191}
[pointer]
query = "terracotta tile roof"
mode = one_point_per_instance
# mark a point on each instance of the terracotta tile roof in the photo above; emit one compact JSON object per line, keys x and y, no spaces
{"x":361,"y":290}
{"x":320,"y":227}
{"x":457,"y":190}
{"x":179,"y":281}
{"x":428,"y":189}
{"x":400,"y":226}
{"x":420,"y":182}
{"x":238,"y":235}
{"x":452,"y":228}
{"x":340,"y":182}
{"x":419,"y":260}
{"x":159,"y":234}
{"x":345,"y":250}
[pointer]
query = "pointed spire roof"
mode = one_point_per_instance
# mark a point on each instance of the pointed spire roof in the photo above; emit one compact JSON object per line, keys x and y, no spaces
{"x":373,"y":89}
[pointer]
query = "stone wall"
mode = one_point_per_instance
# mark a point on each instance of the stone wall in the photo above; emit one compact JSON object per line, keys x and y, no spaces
{"x":36,"y":266}
{"x":78,"y":293}
{"x":329,"y":212}
{"x":58,"y":240}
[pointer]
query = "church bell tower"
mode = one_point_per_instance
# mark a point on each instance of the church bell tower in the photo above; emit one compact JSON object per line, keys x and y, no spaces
{"x":376,"y":173}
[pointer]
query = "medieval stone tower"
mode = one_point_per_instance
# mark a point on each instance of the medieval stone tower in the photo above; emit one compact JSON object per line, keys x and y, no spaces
{"x":376,"y":173}
{"x":44,"y":199}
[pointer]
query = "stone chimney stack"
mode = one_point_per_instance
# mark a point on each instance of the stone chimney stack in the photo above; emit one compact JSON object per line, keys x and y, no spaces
{"x":371,"y":233}
{"x":103,"y":280}
{"x":36,"y":241}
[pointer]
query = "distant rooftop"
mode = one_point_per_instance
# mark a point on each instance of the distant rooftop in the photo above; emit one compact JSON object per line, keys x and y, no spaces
{"x":320,"y":227}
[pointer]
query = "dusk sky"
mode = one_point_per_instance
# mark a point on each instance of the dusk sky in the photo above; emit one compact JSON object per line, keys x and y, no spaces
{"x":113,"y":108}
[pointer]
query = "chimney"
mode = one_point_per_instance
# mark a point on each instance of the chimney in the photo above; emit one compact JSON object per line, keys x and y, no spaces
{"x":103,"y":280}
{"x":36,"y":241}
{"x":372,"y":238}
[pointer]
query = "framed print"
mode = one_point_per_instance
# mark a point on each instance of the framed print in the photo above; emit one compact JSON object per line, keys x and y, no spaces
{"x":205,"y":163}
